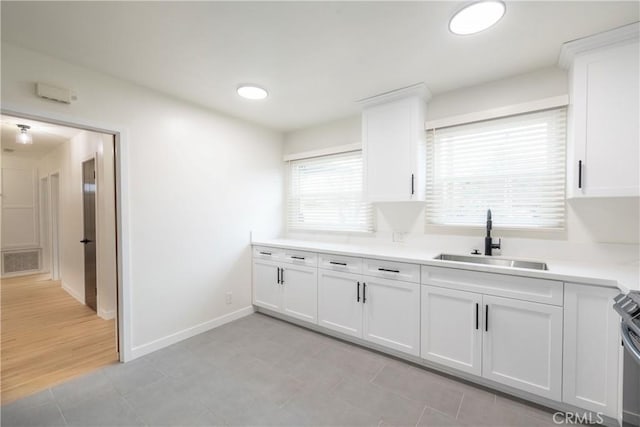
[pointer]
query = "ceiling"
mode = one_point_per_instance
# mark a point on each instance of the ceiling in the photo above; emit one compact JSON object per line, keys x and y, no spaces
{"x":315,"y":58}
{"x":46,"y":137}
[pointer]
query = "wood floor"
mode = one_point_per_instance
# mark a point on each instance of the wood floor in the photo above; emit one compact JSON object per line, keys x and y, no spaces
{"x":48,"y":337}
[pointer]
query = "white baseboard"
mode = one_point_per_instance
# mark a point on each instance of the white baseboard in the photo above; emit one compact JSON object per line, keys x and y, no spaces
{"x":106,"y":314}
{"x":152,"y":346}
{"x":73,"y":293}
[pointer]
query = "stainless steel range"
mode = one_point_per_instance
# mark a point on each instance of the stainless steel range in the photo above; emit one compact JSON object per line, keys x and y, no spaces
{"x":628,"y":307}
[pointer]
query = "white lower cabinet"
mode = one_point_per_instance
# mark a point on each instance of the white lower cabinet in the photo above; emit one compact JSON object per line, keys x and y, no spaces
{"x":299,"y":292}
{"x":339,"y":302}
{"x":522,"y":345}
{"x":267,"y":291}
{"x":451,"y":328}
{"x":391,"y":314}
{"x":592,"y":349}
{"x":286,"y":288}
{"x":382,"y":311}
{"x":509,"y":341}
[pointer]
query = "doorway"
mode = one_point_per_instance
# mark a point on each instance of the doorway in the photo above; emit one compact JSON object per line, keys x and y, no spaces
{"x":61,"y":319}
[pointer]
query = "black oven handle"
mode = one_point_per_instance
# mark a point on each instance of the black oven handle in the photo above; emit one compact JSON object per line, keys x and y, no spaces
{"x":628,"y":343}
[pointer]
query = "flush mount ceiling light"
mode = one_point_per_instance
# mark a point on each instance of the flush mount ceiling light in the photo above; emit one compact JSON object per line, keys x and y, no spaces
{"x":476,"y":17}
{"x":252,"y":92}
{"x":22,"y":137}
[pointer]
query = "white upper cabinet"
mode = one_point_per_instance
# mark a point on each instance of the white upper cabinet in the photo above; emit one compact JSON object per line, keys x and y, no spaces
{"x":394,"y":146}
{"x":603,"y":134}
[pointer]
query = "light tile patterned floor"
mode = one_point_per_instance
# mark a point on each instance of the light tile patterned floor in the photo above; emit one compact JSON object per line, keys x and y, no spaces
{"x":261,"y":371}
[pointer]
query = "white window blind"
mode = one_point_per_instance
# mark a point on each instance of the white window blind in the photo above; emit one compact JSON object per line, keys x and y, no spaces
{"x":327,"y":193}
{"x":514,"y":166}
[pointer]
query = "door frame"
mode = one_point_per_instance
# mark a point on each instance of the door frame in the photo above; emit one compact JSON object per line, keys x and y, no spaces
{"x":54,"y":225}
{"x":123,"y":235}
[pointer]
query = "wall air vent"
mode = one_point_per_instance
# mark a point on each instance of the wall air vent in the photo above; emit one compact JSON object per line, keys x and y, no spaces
{"x":52,"y":93}
{"x":24,"y":261}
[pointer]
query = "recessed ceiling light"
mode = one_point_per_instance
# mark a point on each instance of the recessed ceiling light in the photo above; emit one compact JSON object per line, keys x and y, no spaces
{"x":477,"y":17}
{"x":252,"y":92}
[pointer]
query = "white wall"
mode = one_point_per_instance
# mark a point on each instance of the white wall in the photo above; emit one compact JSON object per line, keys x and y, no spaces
{"x":197,"y":182}
{"x":20,"y":226}
{"x":19,"y":203}
{"x":596,"y":229}
{"x":67,"y":161}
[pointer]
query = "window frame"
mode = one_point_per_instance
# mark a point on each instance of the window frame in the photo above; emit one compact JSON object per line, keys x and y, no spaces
{"x":370,"y":226}
{"x":511,"y":230}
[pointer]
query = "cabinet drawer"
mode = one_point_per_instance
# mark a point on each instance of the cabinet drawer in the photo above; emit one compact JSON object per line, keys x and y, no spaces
{"x":264,"y":252}
{"x":340,"y":263}
{"x":504,"y":285}
{"x":391,"y":270}
{"x":292,"y":256}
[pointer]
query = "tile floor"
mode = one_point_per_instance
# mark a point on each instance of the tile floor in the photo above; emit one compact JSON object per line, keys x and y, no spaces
{"x":262,"y":371}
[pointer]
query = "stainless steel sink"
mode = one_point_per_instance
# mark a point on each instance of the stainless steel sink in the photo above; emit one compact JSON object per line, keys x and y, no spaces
{"x":502,"y":262}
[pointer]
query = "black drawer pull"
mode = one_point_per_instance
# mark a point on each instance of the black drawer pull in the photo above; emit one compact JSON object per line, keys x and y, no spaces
{"x":265,"y":253}
{"x":477,"y":320}
{"x":358,"y":297}
{"x":364,"y":292}
{"x":278,"y":275}
{"x":344,"y":264}
{"x":282,"y":276}
{"x":486,"y":319}
{"x":298,"y":257}
{"x":579,"y":173}
{"x":412,"y":185}
{"x":388,"y":270}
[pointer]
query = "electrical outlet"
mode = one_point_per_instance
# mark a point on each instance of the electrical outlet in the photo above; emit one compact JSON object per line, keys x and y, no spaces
{"x":398,"y":236}
{"x":229,"y":298}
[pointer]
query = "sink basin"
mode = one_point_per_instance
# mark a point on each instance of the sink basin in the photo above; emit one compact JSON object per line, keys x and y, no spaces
{"x":502,"y":262}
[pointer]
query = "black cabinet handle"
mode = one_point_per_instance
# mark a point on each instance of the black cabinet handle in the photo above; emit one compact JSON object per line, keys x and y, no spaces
{"x":265,"y":253}
{"x":344,"y":264}
{"x":486,"y":318}
{"x":85,"y":241}
{"x":358,"y":297}
{"x":388,"y":270}
{"x":364,"y":292}
{"x":278,"y":275}
{"x":477,"y":318}
{"x":412,"y":185}
{"x":282,"y":276}
{"x":298,"y":257}
{"x":579,"y":173}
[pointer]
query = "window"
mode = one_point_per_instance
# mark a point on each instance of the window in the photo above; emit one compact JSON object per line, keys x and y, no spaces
{"x":514,"y":166}
{"x":327,"y":193}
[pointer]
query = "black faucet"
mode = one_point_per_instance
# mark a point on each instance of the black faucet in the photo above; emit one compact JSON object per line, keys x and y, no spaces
{"x":489,"y":246}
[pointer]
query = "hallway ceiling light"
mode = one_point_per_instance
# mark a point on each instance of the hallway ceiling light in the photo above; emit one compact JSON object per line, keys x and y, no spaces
{"x":477,"y":17}
{"x":252,"y":92}
{"x":22,"y":137}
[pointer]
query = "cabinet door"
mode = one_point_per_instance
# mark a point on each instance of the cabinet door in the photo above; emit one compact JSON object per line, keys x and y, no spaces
{"x":522,"y":345}
{"x":391,"y":314}
{"x":340,"y":302}
{"x":267,"y":292}
{"x":391,"y":134}
{"x":451,"y":328}
{"x":300,"y":292}
{"x":606,"y":128}
{"x":591,"y":349}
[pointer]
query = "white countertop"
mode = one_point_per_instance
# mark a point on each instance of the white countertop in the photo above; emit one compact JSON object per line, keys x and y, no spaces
{"x":624,"y":277}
